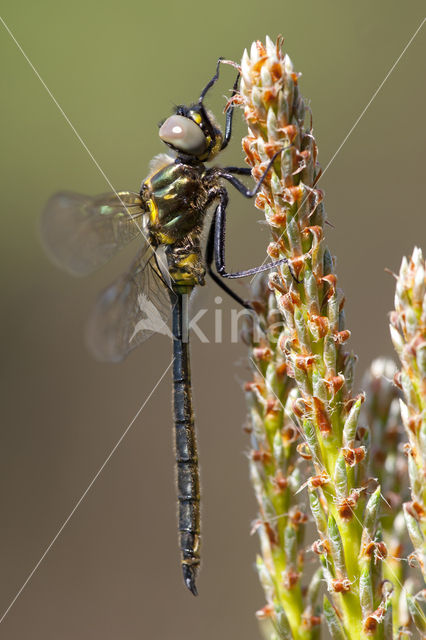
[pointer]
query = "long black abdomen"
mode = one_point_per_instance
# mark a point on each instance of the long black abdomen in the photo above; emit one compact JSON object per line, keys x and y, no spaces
{"x":188,"y":479}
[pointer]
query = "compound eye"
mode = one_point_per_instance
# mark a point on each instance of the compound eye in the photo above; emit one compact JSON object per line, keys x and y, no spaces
{"x":183,"y":134}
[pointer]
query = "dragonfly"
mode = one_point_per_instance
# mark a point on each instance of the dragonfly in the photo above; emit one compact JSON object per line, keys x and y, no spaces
{"x":167,"y":217}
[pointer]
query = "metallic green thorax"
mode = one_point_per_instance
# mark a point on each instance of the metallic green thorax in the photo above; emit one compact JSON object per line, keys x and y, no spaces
{"x":176,"y":197}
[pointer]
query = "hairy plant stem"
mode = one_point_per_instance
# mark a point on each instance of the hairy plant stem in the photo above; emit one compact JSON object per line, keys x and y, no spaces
{"x":408,"y":332}
{"x":389,"y":465}
{"x":277,"y":474}
{"x":344,"y":501}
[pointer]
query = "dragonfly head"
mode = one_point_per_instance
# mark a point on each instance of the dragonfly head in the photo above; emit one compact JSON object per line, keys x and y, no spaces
{"x":192,"y":131}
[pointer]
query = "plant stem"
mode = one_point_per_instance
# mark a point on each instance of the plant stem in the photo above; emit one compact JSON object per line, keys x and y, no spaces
{"x":344,"y":503}
{"x":408,"y":332}
{"x":276,"y":475}
{"x":389,"y":465}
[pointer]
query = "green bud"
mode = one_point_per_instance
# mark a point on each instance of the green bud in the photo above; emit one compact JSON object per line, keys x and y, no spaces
{"x":318,"y":257}
{"x":351,"y":423}
{"x":295,"y":480}
{"x":314,"y":587}
{"x":290,"y":545}
{"x":405,"y":415}
{"x":387,"y":621}
{"x":397,"y":340}
{"x":341,"y":477}
{"x":302,"y":380}
{"x":408,"y":390}
{"x":283,"y":107}
{"x":278,"y":449}
{"x":336,"y":547}
{"x":328,"y":263}
{"x":417,"y":614}
{"x":318,"y":514}
{"x":311,"y":437}
{"x":330,"y":354}
{"x":318,"y":387}
{"x":422,"y":440}
{"x":293,"y":233}
{"x":421,"y":359}
{"x":276,"y":187}
{"x":371,"y":512}
{"x":416,"y":477}
{"x":411,"y":322}
{"x":414,"y":530}
{"x":366,"y":591}
{"x":301,"y":329}
{"x":349,"y":370}
{"x":333,"y":312}
{"x":271,"y":121}
{"x":341,"y":320}
{"x":311,"y":291}
{"x":265,"y":578}
{"x":282,"y":624}
{"x":334,"y":625}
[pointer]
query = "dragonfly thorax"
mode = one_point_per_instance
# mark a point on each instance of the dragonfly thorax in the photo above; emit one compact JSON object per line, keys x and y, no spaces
{"x":176,"y":197}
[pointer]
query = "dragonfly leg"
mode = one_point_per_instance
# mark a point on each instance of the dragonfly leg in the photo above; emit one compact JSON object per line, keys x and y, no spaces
{"x":219,"y":222}
{"x":229,"y":116}
{"x":230,"y":111}
{"x":226,"y":173}
{"x":209,"y":262}
{"x":242,"y":171}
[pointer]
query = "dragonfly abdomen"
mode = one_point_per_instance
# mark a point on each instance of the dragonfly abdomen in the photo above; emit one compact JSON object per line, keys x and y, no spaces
{"x":188,"y":479}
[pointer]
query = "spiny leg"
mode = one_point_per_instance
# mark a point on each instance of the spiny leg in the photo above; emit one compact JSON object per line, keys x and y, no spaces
{"x":242,"y":171}
{"x":219,"y":245}
{"x":227,"y":172}
{"x":229,"y":116}
{"x":230,"y":111}
{"x":209,"y":256}
{"x":210,"y":82}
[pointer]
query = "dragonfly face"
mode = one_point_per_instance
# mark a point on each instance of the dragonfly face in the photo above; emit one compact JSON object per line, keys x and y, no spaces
{"x":81,"y":233}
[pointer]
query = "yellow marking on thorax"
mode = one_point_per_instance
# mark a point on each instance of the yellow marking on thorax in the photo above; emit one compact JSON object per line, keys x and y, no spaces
{"x":164,"y":238}
{"x":196,"y":116}
{"x":153,"y":211}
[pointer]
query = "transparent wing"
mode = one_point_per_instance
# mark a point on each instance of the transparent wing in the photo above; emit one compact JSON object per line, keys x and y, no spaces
{"x":130,"y":310}
{"x":80,"y":233}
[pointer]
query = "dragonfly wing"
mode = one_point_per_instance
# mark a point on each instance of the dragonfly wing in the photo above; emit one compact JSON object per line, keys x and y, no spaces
{"x":130,"y":310}
{"x":80,"y":233}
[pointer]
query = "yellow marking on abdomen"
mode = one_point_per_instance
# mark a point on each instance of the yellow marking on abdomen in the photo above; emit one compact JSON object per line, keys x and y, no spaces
{"x":192,"y":258}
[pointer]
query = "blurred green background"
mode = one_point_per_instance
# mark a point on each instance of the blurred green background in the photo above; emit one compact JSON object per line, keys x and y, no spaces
{"x":117,"y":68}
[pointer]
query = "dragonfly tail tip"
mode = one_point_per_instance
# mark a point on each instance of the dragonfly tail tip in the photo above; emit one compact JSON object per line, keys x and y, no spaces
{"x":189,"y":574}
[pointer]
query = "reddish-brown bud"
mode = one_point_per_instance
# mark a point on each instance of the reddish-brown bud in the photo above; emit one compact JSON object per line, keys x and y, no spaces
{"x":335,"y":383}
{"x":291,"y":578}
{"x":263,"y":354}
{"x":289,"y":435}
{"x":304,"y":451}
{"x":261,"y":455}
{"x":340,"y":585}
{"x":304,"y":362}
{"x":280,"y":481}
{"x":342,"y":336}
{"x":321,"y":417}
{"x":353,"y":456}
{"x":322,"y":323}
{"x":297,"y":517}
{"x":266,"y":612}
